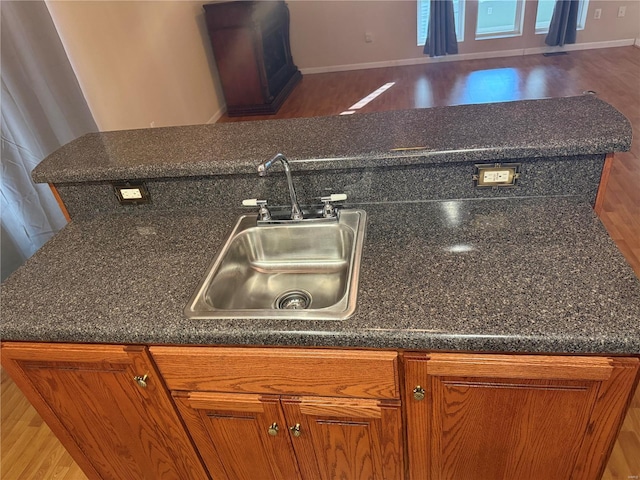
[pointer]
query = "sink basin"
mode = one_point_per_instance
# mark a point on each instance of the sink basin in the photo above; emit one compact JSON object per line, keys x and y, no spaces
{"x":305,"y":270}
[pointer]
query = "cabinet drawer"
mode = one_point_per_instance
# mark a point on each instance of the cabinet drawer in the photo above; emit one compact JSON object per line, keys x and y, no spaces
{"x":336,"y":373}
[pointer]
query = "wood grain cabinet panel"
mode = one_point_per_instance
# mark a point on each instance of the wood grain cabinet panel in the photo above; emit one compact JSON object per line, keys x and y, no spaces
{"x":240,"y":436}
{"x":112,"y":426}
{"x":280,"y":371}
{"x":500,"y":417}
{"x":353,"y":439}
{"x":316,"y":438}
{"x":347,"y":426}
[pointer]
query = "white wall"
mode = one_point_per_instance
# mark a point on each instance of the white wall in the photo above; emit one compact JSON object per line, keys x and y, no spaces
{"x":141,"y":63}
{"x":332,"y":33}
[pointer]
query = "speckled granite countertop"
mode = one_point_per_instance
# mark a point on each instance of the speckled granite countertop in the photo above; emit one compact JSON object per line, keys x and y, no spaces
{"x":525,"y":275}
{"x":534,"y":128}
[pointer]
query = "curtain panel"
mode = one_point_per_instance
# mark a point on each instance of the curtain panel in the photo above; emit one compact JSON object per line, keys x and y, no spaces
{"x":42,"y":108}
{"x":564,"y":23}
{"x":441,"y":33}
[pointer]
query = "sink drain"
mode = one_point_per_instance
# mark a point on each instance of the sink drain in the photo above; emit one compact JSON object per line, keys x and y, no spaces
{"x":293,"y":300}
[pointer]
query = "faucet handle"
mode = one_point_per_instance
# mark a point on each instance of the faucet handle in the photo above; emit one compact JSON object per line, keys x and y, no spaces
{"x":253,"y":202}
{"x":334,"y":197}
{"x":263,"y":214}
{"x":328,"y":210}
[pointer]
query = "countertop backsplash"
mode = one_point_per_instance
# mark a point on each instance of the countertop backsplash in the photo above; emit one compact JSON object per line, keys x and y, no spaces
{"x":559,"y":176}
{"x":410,"y":155}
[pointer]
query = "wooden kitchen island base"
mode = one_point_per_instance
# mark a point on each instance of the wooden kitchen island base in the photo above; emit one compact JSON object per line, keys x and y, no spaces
{"x":509,"y":416}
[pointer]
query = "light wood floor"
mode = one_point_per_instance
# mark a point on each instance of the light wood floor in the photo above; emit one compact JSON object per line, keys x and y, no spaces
{"x":29,"y":450}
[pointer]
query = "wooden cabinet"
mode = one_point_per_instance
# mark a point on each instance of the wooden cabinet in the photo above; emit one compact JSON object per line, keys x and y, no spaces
{"x":112,"y":425}
{"x":322,"y":414}
{"x":240,"y":436}
{"x":514,"y":416}
{"x":284,"y":428}
{"x":244,"y":436}
{"x":250,"y":41}
{"x":337,"y":438}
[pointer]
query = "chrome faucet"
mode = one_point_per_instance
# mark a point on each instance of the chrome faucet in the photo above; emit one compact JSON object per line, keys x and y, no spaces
{"x":296,"y":211}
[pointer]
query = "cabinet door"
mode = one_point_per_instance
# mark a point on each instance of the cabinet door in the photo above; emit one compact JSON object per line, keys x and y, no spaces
{"x":500,"y":417}
{"x":113,"y":426}
{"x":338,"y":438}
{"x":240,"y":436}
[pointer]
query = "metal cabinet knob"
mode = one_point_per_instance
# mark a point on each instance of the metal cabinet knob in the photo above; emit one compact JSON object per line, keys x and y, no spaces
{"x":418,"y":393}
{"x":141,"y":380}
{"x":273,"y":429}
{"x":295,"y":430}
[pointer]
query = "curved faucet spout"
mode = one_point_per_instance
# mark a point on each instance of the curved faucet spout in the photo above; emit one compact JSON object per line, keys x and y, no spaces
{"x":296,"y":211}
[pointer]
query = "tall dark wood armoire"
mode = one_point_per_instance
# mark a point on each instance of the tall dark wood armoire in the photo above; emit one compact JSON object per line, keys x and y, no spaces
{"x":251,"y":45}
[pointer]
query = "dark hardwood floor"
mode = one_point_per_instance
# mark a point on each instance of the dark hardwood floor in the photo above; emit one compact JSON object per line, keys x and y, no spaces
{"x":29,"y":450}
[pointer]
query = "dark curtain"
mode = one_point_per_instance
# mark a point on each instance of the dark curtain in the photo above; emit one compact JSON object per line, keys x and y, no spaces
{"x":564,"y":23}
{"x":441,"y":34}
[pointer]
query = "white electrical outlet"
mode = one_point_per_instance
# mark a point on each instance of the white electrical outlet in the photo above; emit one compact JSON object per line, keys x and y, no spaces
{"x":131,"y":193}
{"x":496,"y":176}
{"x":489,"y":10}
{"x":597,"y":13}
{"x":622,"y":11}
{"x":368,"y":37}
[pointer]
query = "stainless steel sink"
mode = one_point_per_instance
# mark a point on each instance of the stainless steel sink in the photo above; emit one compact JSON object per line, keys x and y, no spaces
{"x":302,"y":270}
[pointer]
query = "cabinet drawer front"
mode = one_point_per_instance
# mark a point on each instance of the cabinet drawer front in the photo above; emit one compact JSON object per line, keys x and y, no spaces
{"x":520,"y":366}
{"x":336,"y":373}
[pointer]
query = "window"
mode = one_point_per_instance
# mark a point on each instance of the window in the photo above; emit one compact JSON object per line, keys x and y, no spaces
{"x":423,"y":19}
{"x":545,"y":12}
{"x":499,"y":18}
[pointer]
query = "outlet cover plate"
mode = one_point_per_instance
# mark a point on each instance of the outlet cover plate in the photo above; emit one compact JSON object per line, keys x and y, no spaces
{"x":496,"y":175}
{"x":131,"y":193}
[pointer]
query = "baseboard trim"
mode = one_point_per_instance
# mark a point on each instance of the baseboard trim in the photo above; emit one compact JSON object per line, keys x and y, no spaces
{"x":471,"y":56}
{"x":637,"y":44}
{"x":580,"y":46}
{"x":216,"y":116}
